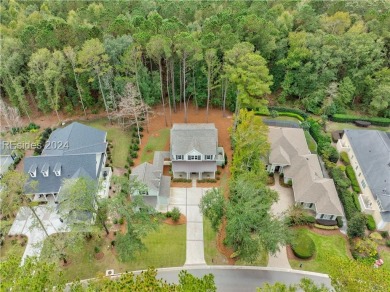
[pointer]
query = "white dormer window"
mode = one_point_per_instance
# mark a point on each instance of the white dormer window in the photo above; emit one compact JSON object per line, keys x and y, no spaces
{"x":33,"y":170}
{"x":193,"y":157}
{"x":57,"y":169}
{"x":179,"y":157}
{"x":208,"y":157}
{"x":45,"y":170}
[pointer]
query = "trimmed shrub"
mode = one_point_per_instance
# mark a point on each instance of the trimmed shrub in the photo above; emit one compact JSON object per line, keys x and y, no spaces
{"x":388,"y":243}
{"x":356,"y":202}
{"x":352,"y":176}
{"x":168,"y":214}
{"x":97,"y":249}
{"x":370,"y":223}
{"x":339,"y":221}
{"x":292,"y":115}
{"x":325,"y":227}
{"x":181,"y":180}
{"x":121,"y":221}
{"x":326,"y":222}
{"x":385,"y":234}
{"x":344,"y":158}
{"x":289,"y":110}
{"x":341,"y":118}
{"x":357,"y":225}
{"x":175,"y":214}
{"x":303,"y":246}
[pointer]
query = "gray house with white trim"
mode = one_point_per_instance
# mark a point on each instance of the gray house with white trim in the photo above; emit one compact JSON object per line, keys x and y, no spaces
{"x":369,"y":155}
{"x":195,"y":151}
{"x":71,"y":152}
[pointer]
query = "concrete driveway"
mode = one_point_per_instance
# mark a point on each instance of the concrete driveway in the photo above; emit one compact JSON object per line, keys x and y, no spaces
{"x":187,"y":200}
{"x":26,"y":224}
{"x":286,"y":199}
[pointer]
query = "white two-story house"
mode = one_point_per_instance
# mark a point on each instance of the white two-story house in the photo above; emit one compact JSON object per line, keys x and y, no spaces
{"x":194,"y":151}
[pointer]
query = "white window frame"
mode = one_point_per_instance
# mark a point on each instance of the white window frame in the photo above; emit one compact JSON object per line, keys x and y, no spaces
{"x":179,"y":157}
{"x":208,"y":157}
{"x":194,"y":157}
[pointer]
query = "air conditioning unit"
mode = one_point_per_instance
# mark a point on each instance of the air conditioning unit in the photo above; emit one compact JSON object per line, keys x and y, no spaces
{"x":110,"y":272}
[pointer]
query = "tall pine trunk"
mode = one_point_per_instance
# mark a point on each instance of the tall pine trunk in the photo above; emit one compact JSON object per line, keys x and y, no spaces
{"x":173,"y":84}
{"x":167,"y":86}
{"x":162,"y":92}
{"x":184,"y":89}
{"x":104,"y":99}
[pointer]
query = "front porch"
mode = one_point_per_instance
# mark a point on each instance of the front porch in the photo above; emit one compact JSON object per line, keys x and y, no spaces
{"x":195,"y":175}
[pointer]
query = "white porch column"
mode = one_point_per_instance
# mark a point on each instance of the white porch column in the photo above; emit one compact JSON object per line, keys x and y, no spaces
{"x":214,"y":175}
{"x":200,"y":175}
{"x":188,"y":175}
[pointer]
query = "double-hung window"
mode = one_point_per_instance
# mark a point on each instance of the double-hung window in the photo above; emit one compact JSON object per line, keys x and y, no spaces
{"x":179,"y":157}
{"x":193,"y":157}
{"x":208,"y":157}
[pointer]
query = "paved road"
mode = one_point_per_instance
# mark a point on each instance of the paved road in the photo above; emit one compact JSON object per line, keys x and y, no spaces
{"x":236,"y":278}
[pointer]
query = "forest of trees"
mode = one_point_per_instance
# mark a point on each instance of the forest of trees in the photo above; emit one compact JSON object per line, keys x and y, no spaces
{"x":324,"y":57}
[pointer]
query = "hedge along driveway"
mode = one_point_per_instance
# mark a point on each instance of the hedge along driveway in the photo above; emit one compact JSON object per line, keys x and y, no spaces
{"x":335,"y":245}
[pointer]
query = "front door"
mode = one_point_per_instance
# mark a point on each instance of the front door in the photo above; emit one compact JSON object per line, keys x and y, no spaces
{"x":277,"y":168}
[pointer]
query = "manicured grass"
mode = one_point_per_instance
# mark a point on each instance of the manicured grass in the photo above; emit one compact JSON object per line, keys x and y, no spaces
{"x":156,"y":142}
{"x":334,"y":126}
{"x":121,"y":140}
{"x":211,"y":253}
{"x":165,"y":247}
{"x":12,"y":246}
{"x":335,"y":245}
{"x":385,"y":256}
{"x":310,"y":142}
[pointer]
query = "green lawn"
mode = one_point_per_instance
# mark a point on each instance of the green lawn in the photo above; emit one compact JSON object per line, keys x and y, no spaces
{"x":165,"y":247}
{"x":12,"y":246}
{"x":211,"y":253}
{"x":156,"y":142}
{"x":310,"y":142}
{"x":333,"y":126}
{"x":121,"y":140}
{"x":335,"y":245}
{"x":385,"y":256}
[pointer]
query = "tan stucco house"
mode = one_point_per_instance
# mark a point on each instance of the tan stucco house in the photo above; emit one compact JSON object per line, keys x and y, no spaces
{"x":290,"y":156}
{"x":369,"y":154}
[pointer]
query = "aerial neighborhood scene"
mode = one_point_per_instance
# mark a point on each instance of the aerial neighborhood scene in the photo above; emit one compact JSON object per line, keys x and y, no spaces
{"x":167,"y":145}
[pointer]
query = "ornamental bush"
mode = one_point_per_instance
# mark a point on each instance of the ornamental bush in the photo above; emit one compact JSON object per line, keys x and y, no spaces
{"x":175,"y":214}
{"x":344,"y":158}
{"x":357,"y":225}
{"x":370,"y":223}
{"x":352,"y":176}
{"x":303,"y":246}
{"x":339,"y":221}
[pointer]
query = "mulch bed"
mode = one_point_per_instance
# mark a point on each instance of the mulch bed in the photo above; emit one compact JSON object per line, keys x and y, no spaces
{"x":99,"y":255}
{"x":227,"y":252}
{"x":182,"y":220}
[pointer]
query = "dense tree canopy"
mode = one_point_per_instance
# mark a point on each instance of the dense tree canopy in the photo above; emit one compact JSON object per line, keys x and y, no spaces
{"x":326,"y":57}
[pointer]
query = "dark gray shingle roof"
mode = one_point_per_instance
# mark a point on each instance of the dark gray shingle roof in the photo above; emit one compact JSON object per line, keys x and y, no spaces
{"x":372,"y":150}
{"x":75,"y":138}
{"x":72,"y":165}
{"x":78,"y":160}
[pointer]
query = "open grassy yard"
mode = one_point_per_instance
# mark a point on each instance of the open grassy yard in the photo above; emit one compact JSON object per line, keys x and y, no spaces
{"x":14,"y":245}
{"x":385,"y":256}
{"x":333,"y":126}
{"x":121,"y":140}
{"x":310,"y":142}
{"x":211,"y":253}
{"x":156,"y":142}
{"x":335,"y":245}
{"x":164,"y":248}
